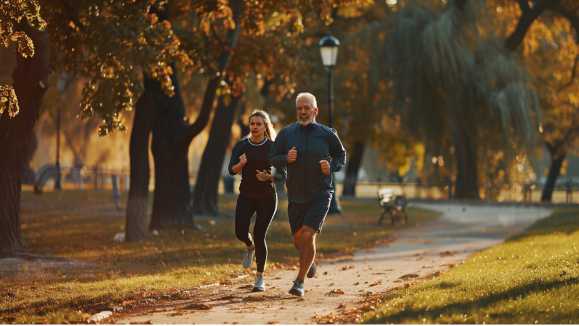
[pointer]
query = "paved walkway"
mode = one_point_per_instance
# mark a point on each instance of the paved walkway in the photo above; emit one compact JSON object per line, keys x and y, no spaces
{"x":425,"y":250}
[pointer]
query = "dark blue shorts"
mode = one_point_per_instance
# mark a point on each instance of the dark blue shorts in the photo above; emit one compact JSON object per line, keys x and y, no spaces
{"x":312,"y":213}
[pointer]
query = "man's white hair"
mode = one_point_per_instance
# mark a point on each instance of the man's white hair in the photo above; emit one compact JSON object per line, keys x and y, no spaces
{"x":309,"y":97}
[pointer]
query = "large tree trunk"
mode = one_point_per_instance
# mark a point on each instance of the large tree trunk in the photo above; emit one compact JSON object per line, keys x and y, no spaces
{"x":352,"y":169}
{"x":30,"y":78}
{"x":138,"y":200}
{"x":172,"y":189}
{"x":209,"y":174}
{"x":554,"y":172}
{"x":172,"y":137}
{"x":466,"y":186}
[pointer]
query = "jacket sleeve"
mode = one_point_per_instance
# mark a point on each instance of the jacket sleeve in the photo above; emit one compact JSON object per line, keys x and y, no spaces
{"x":235,"y":153}
{"x":337,"y":152}
{"x":278,"y":153}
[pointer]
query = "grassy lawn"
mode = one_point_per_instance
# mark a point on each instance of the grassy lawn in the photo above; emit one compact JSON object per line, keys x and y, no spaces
{"x":532,"y":278}
{"x":80,"y":227}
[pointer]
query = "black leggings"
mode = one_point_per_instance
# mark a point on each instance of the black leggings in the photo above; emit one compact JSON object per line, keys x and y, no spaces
{"x":265,"y":210}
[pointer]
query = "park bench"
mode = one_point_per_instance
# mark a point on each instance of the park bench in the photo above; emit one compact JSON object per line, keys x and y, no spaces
{"x":394,"y":205}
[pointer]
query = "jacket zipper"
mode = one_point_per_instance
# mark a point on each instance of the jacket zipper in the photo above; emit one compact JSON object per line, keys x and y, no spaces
{"x":305,"y":161}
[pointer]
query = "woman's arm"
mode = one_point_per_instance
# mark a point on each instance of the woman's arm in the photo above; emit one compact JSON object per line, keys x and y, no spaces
{"x":239,"y":166}
{"x":235,"y":164}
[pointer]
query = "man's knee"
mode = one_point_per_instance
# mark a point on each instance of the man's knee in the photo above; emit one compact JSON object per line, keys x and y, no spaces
{"x":297,"y":239}
{"x":307,"y":234}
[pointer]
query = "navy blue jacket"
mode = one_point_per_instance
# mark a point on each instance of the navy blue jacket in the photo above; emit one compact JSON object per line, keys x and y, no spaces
{"x":314,"y":142}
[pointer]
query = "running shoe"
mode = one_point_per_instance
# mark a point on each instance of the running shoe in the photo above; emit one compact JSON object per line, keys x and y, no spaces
{"x":259,"y":283}
{"x":297,"y":289}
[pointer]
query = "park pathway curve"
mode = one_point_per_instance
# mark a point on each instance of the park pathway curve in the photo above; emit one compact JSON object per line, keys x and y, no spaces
{"x":418,"y":252}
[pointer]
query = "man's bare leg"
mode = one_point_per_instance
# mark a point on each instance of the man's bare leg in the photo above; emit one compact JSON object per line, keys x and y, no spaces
{"x":306,"y":243}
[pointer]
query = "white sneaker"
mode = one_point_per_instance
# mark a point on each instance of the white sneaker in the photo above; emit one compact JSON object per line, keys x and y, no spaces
{"x":248,"y":257}
{"x":259,"y":283}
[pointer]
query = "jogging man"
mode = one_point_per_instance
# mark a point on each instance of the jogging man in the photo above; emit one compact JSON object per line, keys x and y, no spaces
{"x":310,"y":152}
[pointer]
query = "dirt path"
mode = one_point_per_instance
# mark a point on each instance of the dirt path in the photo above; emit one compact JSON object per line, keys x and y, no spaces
{"x":339,"y":285}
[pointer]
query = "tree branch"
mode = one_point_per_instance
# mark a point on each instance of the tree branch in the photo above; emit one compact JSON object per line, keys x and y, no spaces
{"x":528,"y":16}
{"x":223,"y":61}
{"x":524,"y":5}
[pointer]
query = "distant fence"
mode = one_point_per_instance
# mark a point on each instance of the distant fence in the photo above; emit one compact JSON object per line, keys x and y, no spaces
{"x":117,"y":180}
{"x":94,"y":178}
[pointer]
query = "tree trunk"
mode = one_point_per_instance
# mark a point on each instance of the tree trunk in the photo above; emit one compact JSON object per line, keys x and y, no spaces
{"x":172,"y":137}
{"x":138,"y":200}
{"x":554,"y":172}
{"x":466,"y":186}
{"x":172,"y":189}
{"x":30,"y":78}
{"x":209,"y":174}
{"x":352,"y":169}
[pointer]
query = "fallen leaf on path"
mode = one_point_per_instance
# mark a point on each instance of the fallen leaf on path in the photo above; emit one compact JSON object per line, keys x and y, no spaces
{"x":376,"y":283}
{"x":249,"y":286}
{"x":325,"y":273}
{"x":347,"y":267}
{"x":446,"y":253}
{"x":357,"y":283}
{"x":335,"y":292}
{"x":341,"y":306}
{"x":272,"y":322}
{"x":197,"y":306}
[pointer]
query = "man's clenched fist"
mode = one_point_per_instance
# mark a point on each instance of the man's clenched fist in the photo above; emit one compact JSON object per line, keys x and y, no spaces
{"x":325,"y":166}
{"x":292,"y":155}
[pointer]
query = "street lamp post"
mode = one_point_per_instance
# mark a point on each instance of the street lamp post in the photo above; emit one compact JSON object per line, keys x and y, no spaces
{"x":329,"y":51}
{"x":58,"y":178}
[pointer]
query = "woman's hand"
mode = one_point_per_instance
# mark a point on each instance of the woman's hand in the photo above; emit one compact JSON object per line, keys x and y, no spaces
{"x":263,"y":176}
{"x":243,"y":160}
{"x":239,"y":166}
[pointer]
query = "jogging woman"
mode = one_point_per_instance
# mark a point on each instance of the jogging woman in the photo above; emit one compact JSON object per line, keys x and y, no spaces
{"x":256,"y":191}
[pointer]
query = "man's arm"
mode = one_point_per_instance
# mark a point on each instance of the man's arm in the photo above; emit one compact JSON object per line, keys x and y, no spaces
{"x":278,"y":152}
{"x":337,"y":152}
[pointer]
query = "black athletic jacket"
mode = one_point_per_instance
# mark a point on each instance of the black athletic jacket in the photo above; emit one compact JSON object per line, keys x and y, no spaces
{"x":257,"y":159}
{"x":313,"y":142}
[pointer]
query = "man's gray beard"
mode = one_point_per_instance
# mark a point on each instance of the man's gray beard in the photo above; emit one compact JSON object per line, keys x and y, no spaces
{"x":305,"y":122}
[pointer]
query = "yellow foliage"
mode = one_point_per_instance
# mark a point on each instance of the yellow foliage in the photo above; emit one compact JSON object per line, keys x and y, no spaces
{"x":8,"y":101}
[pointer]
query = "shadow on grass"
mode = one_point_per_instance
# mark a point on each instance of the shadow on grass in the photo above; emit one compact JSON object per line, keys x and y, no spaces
{"x":462,"y":307}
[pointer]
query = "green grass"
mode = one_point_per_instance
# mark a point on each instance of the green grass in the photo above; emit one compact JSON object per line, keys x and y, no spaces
{"x":80,"y":226}
{"x":531,"y":278}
